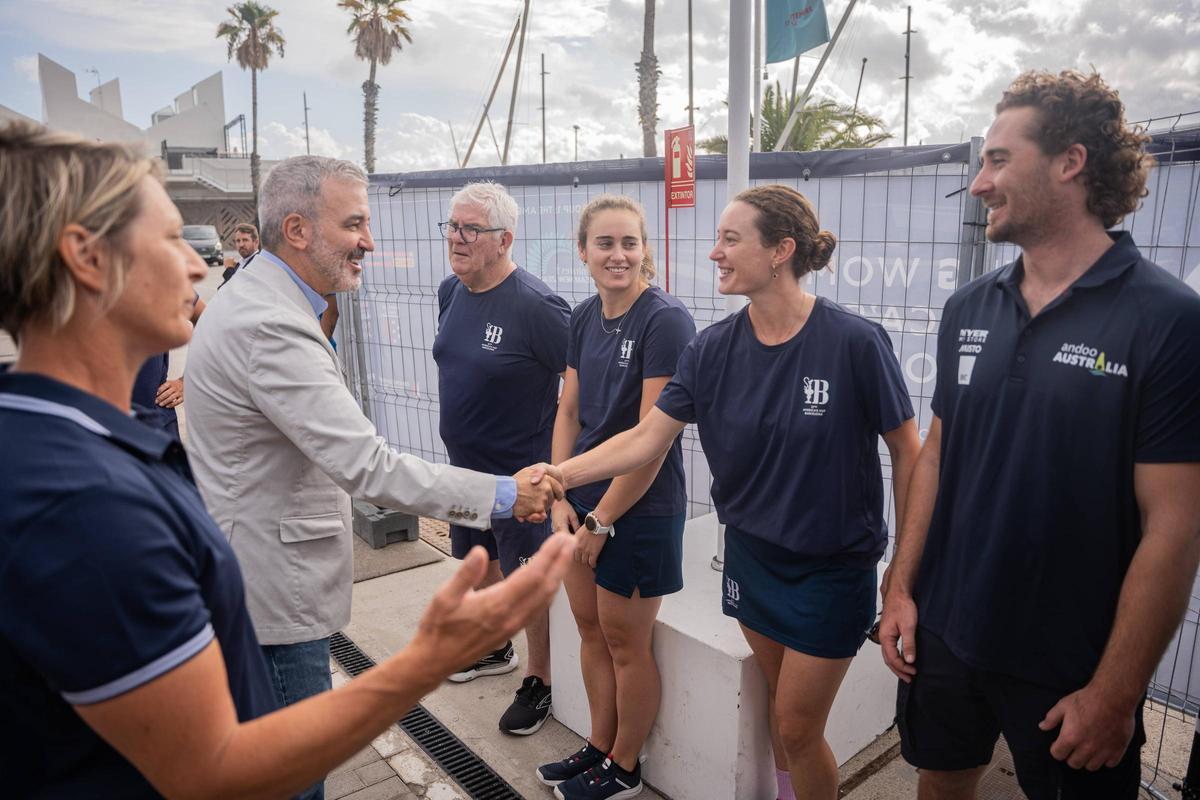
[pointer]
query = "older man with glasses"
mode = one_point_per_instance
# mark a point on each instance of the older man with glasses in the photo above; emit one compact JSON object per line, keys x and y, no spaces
{"x":500,"y":348}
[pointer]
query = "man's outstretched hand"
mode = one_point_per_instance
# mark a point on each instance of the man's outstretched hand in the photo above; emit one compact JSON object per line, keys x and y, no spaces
{"x":461,"y":623}
{"x":537,"y":489}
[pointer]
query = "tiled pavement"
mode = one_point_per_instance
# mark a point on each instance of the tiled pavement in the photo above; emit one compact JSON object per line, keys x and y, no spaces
{"x":393,"y":767}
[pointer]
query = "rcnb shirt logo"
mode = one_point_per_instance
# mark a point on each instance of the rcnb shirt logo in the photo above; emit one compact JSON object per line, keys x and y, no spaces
{"x":491,"y":336}
{"x":816,"y":397}
{"x":626,"y":352}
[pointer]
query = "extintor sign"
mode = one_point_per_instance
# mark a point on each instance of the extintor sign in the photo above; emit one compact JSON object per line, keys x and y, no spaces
{"x":680,"y":165}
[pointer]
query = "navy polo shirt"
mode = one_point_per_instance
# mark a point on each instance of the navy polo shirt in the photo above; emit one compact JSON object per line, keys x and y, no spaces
{"x":499,"y":354}
{"x":111,"y":575}
{"x":612,"y":358}
{"x":791,"y":431}
{"x":1043,"y":420}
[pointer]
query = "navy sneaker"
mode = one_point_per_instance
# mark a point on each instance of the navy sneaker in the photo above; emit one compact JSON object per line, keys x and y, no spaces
{"x":495,"y":663}
{"x":556,"y":772}
{"x":529,"y":710}
{"x":605,"y":781}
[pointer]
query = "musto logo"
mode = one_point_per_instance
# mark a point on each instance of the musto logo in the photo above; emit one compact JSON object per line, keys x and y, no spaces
{"x":1091,"y":359}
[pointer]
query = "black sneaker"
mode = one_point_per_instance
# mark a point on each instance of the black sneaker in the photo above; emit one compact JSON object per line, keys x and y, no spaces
{"x":556,"y":772}
{"x":497,"y":663}
{"x":605,"y":781}
{"x":529,"y":709}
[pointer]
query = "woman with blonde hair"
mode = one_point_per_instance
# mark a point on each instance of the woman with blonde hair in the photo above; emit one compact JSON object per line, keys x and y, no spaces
{"x":624,"y":342}
{"x":790,"y":395}
{"x":126,"y":649}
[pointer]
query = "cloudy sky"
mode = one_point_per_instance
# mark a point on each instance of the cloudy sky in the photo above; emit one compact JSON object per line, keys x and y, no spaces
{"x":963,"y":55}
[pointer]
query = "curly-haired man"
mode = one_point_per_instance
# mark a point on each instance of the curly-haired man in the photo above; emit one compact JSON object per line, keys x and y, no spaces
{"x":1053,"y":526}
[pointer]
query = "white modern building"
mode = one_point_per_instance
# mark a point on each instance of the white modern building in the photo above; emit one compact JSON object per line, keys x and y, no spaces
{"x":206,"y":158}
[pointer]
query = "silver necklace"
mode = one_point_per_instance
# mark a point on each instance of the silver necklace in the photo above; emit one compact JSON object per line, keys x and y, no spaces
{"x":619,"y":320}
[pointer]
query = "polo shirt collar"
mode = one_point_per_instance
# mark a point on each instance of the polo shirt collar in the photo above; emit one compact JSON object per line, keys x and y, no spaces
{"x":313,"y":297}
{"x":23,"y":391}
{"x":1111,"y":265}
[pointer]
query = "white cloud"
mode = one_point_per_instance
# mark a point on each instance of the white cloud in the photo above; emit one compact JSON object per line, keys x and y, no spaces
{"x":279,"y":141}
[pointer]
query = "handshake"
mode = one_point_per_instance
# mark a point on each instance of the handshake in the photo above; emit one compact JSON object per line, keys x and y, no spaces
{"x":538,"y":487}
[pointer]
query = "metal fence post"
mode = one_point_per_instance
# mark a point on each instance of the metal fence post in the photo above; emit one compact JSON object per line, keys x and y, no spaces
{"x":972,"y":244}
{"x":360,"y":355}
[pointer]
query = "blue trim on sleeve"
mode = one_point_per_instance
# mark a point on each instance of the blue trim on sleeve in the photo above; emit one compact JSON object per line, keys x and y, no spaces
{"x":506,"y":497}
{"x":156,"y":668}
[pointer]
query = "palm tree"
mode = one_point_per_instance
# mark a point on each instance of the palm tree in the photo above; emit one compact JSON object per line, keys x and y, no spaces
{"x":648,"y":72}
{"x":252,"y":36}
{"x":824,"y":125}
{"x":377,"y":27}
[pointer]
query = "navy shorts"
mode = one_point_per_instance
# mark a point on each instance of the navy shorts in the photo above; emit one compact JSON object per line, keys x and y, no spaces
{"x":644,"y":553}
{"x":819,"y":606}
{"x":510,"y":542}
{"x":951,"y":715}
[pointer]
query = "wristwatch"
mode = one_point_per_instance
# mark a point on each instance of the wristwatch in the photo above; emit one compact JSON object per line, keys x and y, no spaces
{"x":595,"y":528}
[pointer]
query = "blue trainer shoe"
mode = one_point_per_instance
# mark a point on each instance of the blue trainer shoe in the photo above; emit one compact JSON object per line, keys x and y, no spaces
{"x":605,"y":781}
{"x":556,"y":772}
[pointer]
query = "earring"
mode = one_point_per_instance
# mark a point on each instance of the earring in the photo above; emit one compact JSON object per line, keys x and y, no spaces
{"x":774,"y":272}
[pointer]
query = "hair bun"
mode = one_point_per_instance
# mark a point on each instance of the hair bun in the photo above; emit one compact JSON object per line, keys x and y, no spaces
{"x":823,"y":244}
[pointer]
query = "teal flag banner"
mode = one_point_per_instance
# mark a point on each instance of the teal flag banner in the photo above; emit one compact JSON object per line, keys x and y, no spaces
{"x":794,"y":27}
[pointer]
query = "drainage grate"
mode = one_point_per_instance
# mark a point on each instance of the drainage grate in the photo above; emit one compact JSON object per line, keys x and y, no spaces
{"x":447,"y":750}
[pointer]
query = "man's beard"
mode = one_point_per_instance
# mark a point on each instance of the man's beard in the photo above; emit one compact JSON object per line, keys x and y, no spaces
{"x":331,"y":264}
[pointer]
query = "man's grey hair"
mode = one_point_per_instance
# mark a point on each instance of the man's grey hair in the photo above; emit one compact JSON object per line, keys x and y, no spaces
{"x":293,"y":186}
{"x":502,"y":211}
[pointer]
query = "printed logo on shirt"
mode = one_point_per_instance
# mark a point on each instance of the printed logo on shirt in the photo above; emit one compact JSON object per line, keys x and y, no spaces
{"x":970,"y":340}
{"x":491,"y":336}
{"x":626,"y":352}
{"x":1091,"y":359}
{"x":816,"y":396}
{"x":733,"y":592}
{"x":966,"y":367}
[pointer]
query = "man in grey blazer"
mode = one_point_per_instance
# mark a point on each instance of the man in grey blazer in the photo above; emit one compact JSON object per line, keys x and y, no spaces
{"x":278,"y":443}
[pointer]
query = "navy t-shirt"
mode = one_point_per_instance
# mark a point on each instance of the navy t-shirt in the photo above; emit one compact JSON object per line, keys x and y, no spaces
{"x":791,"y":431}
{"x":499,"y":354}
{"x":1043,"y":420}
{"x":612,"y":358}
{"x":111,"y":575}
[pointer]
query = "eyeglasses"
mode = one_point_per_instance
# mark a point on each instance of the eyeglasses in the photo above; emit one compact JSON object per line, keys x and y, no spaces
{"x":468,"y":233}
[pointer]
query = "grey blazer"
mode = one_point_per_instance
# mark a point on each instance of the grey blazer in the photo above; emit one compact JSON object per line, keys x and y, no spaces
{"x":276,"y":441}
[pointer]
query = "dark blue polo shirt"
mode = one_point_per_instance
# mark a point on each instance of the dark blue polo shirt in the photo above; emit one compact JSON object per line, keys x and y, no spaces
{"x":612,"y":358}
{"x":791,"y":431}
{"x":111,"y":575}
{"x":1043,"y":420}
{"x":499,"y":354}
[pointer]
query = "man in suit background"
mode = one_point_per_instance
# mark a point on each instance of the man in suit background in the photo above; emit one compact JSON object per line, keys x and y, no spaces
{"x":277,"y":441}
{"x":245,"y":239}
